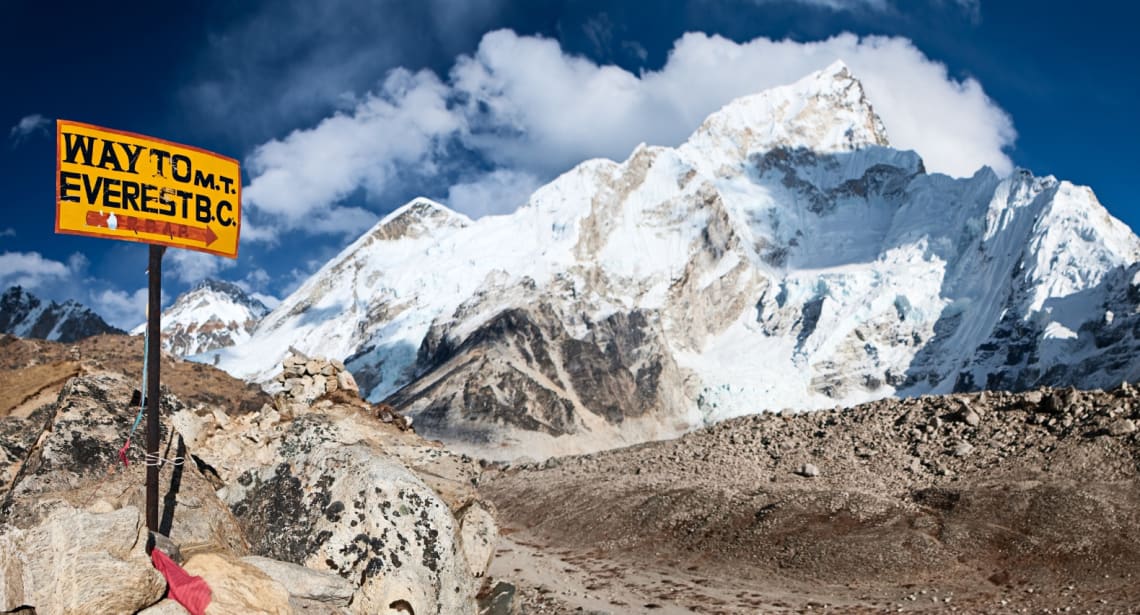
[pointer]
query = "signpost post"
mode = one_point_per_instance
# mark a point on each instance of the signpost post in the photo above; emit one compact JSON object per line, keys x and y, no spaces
{"x":121,"y":185}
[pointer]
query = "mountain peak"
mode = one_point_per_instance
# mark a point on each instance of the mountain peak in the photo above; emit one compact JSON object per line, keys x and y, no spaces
{"x":211,"y":315}
{"x":836,"y":70}
{"x":25,"y":315}
{"x":416,"y":218}
{"x":826,"y":111}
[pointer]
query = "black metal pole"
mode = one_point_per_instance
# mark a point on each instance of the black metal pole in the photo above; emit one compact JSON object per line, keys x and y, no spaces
{"x":153,"y":360}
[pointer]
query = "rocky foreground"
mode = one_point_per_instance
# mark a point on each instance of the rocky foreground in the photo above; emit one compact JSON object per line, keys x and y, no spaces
{"x":313,"y":501}
{"x":981,"y":503}
{"x":296,"y":505}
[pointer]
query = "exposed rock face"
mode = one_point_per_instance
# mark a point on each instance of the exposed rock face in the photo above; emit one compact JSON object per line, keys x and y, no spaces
{"x":212,"y":315}
{"x":75,"y":561}
{"x":523,"y":375}
{"x":25,"y":315}
{"x":784,"y":256}
{"x":306,"y":585}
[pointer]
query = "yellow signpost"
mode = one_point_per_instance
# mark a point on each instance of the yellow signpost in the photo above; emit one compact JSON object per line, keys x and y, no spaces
{"x":121,"y":185}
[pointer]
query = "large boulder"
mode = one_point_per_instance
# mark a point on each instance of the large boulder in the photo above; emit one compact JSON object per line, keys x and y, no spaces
{"x":75,"y":562}
{"x":238,"y":588}
{"x":334,"y":488}
{"x":308,"y":588}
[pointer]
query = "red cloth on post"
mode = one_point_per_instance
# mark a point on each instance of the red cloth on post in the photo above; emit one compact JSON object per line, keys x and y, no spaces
{"x":191,"y":592}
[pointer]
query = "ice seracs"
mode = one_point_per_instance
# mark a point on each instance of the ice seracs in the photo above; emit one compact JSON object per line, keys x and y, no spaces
{"x":785,"y":256}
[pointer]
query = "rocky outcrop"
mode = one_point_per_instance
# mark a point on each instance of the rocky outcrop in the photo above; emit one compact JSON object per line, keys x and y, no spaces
{"x":75,"y":561}
{"x":354,"y":512}
{"x":335,"y":487}
{"x":237,"y":587}
{"x":523,"y":376}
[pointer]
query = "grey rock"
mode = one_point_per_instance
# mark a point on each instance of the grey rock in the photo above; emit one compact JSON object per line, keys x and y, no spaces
{"x":809,"y":470}
{"x":305,"y":583}
{"x":346,"y":382}
{"x":75,"y":561}
{"x":500,"y":601}
{"x":962,"y":449}
{"x":1122,"y":427}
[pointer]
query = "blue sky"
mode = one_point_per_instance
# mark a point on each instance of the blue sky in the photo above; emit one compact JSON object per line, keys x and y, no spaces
{"x":342,"y":110}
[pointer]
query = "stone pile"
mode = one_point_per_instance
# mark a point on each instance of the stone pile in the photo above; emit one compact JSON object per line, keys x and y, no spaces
{"x":304,"y":379}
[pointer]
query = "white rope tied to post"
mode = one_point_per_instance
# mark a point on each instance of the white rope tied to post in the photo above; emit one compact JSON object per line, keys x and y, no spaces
{"x":158,"y":460}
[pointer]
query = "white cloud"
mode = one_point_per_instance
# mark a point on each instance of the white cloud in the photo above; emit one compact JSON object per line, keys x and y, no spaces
{"x":294,"y":60}
{"x":8,"y":232}
{"x":53,"y":280}
{"x":550,"y":110}
{"x":269,"y":301}
{"x":498,"y":192}
{"x":30,"y":270}
{"x":254,"y":283}
{"x":533,"y":111}
{"x":193,"y":267}
{"x":298,"y":180}
{"x":27,"y":126}
{"x":120,"y":308}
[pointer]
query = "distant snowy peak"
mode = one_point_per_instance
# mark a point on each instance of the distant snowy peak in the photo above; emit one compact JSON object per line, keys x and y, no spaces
{"x":825,"y":112}
{"x":25,"y":315}
{"x":212,"y":315}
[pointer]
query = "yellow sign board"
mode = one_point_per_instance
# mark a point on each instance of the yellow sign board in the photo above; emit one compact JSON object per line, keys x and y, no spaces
{"x":121,"y":185}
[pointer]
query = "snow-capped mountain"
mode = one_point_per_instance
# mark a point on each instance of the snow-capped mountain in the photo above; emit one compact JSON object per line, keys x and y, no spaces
{"x":783,"y":257}
{"x":212,"y":315}
{"x":25,"y":315}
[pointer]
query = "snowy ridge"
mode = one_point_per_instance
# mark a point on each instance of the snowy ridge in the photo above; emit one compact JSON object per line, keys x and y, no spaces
{"x":783,"y":257}
{"x":25,"y":315}
{"x":212,"y":315}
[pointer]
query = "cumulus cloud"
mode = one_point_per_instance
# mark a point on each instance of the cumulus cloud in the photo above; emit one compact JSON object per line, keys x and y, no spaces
{"x":298,"y":180}
{"x":291,"y":61}
{"x":552,"y":109}
{"x":30,"y":270}
{"x":529,"y":111}
{"x":122,"y":309}
{"x":8,"y":232}
{"x":193,"y":267}
{"x":255,"y":283}
{"x":28,"y":126}
{"x":499,"y":192}
{"x":50,"y":279}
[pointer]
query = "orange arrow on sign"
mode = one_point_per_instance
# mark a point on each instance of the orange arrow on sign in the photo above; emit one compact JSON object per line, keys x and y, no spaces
{"x":150,"y":226}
